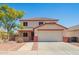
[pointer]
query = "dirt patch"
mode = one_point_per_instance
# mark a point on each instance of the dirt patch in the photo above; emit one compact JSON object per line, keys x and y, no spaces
{"x":10,"y":46}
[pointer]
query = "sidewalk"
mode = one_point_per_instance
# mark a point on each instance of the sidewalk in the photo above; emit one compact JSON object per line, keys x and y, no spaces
{"x":26,"y":47}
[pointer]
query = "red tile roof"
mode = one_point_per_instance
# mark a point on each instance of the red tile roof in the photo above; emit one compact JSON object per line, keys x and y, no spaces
{"x":39,"y":19}
{"x":76,"y":27}
{"x":51,"y":23}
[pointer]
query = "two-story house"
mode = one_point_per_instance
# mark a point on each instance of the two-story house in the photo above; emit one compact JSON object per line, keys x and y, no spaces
{"x":42,"y":29}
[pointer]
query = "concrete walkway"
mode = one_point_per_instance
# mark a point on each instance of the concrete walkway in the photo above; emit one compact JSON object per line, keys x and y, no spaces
{"x":26,"y":46}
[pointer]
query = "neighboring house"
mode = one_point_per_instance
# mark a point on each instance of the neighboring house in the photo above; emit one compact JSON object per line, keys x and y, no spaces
{"x":74,"y":31}
{"x":42,"y":29}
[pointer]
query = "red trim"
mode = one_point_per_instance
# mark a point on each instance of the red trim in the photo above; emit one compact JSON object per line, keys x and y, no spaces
{"x":50,"y":29}
{"x":25,"y":30}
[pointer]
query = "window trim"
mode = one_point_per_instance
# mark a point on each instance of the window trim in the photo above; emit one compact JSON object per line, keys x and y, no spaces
{"x":41,"y":23}
{"x":25,"y":34}
{"x":25,"y":23}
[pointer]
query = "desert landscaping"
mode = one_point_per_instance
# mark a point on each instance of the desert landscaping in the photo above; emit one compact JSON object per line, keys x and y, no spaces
{"x":35,"y":36}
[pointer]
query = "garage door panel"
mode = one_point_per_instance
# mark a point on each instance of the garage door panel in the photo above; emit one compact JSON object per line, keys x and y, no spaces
{"x":55,"y":36}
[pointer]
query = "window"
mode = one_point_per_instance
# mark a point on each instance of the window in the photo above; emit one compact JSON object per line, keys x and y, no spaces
{"x":40,"y":23}
{"x":25,"y":24}
{"x":25,"y":34}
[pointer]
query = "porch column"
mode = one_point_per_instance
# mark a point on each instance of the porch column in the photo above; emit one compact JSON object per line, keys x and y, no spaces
{"x":35,"y":38}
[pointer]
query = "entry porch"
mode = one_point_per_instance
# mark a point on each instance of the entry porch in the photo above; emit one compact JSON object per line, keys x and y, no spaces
{"x":26,"y":35}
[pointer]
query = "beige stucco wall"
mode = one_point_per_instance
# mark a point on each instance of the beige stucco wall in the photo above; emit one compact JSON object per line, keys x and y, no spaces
{"x":28,"y":38}
{"x":36,"y":23}
{"x":49,"y":26}
{"x":74,"y":33}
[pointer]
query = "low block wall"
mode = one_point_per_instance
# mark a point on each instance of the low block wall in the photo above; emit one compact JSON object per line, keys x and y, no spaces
{"x":65,"y":39}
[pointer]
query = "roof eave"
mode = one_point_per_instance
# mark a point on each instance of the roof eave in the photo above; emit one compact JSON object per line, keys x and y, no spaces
{"x":38,"y":20}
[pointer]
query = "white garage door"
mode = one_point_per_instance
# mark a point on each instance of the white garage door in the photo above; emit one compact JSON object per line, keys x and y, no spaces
{"x":55,"y":36}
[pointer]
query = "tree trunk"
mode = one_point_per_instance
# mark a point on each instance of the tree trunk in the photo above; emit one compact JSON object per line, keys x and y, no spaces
{"x":8,"y":37}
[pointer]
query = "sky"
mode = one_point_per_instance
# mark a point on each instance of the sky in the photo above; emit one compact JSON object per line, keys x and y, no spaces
{"x":66,"y":13}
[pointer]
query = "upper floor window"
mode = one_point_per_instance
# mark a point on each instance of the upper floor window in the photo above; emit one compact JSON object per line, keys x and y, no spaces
{"x":25,"y":24}
{"x":40,"y":23}
{"x":25,"y":34}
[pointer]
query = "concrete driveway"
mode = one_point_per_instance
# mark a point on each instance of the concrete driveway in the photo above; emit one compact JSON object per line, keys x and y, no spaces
{"x":58,"y":48}
{"x":45,"y":48}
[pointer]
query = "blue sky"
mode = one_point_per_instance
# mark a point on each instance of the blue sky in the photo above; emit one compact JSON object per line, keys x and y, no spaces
{"x":68,"y":14}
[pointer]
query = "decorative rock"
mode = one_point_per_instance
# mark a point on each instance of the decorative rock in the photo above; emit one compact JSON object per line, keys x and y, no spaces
{"x":19,"y":39}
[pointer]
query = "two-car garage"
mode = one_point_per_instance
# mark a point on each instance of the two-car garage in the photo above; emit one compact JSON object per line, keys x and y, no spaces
{"x":50,"y":33}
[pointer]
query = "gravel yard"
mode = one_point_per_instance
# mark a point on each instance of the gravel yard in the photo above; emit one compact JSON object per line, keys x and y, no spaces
{"x":10,"y":46}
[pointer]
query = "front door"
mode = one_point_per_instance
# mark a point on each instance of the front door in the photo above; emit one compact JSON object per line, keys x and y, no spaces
{"x":25,"y":36}
{"x":28,"y":36}
{"x":32,"y":35}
